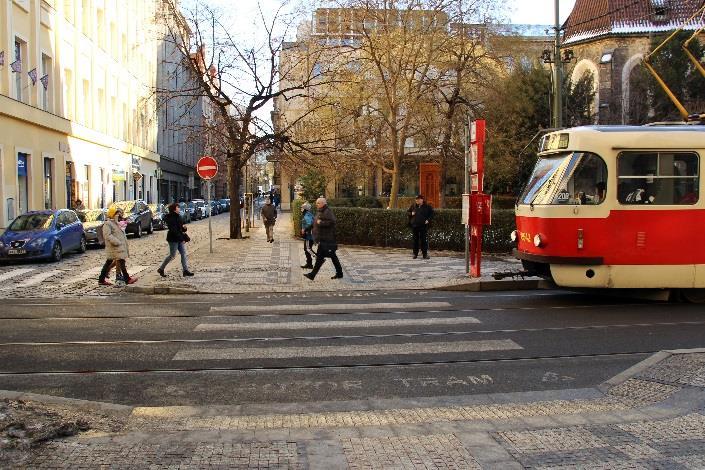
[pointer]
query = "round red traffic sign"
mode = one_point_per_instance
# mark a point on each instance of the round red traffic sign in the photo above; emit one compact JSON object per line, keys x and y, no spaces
{"x":207,"y":168}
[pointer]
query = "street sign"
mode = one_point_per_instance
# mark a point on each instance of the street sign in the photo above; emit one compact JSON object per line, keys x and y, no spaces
{"x":207,"y":168}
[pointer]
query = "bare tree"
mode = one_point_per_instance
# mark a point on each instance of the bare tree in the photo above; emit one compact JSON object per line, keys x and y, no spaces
{"x":236,"y":83}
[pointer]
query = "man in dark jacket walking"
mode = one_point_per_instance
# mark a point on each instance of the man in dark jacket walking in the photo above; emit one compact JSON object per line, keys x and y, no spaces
{"x":324,"y":235}
{"x":420,"y":216}
{"x":177,"y":238}
{"x":269,"y":217}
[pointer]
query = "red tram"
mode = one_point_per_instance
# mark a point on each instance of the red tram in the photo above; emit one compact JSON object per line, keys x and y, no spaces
{"x":617,"y":207}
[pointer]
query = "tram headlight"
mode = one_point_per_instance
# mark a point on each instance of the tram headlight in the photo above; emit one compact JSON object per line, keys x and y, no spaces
{"x":538,"y":241}
{"x":514,"y":236}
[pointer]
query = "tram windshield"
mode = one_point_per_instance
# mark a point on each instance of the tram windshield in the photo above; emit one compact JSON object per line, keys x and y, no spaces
{"x":567,"y":178}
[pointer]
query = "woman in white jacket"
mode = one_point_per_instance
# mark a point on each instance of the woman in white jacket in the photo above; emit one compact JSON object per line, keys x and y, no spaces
{"x":116,"y":249}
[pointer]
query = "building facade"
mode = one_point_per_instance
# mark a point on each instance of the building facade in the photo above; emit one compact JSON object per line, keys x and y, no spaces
{"x":610,"y":39}
{"x":180,"y":142}
{"x":77,"y":114}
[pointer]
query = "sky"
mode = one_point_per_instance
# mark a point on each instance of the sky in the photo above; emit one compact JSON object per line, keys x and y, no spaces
{"x":539,"y":11}
{"x":247,"y":24}
{"x":245,"y":12}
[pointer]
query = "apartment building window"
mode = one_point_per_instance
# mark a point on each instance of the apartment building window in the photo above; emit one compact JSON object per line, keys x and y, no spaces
{"x":100,"y":15}
{"x":19,"y":72}
{"x":47,"y":104}
{"x":86,"y":186}
{"x":68,"y":10}
{"x":86,"y":16}
{"x":115,"y":132}
{"x":99,"y":120}
{"x":48,"y":183}
{"x":87,"y":104}
{"x":124,"y":48}
{"x":69,"y":98}
{"x":114,"y":44}
{"x":125,"y":123}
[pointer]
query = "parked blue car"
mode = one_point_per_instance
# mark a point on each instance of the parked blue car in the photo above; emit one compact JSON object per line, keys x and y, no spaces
{"x":43,"y":234}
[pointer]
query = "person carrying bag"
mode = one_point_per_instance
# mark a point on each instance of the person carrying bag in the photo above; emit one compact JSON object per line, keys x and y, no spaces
{"x":177,"y":239}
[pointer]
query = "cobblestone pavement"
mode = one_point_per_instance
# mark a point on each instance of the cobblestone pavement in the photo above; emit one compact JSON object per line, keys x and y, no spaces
{"x":247,"y":265}
{"x":653,"y":417}
{"x":77,"y":274}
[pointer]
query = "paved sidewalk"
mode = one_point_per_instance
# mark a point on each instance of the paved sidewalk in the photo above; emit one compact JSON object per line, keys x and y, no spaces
{"x":650,"y":417}
{"x":253,"y":265}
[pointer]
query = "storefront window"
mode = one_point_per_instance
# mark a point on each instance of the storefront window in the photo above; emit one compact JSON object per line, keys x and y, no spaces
{"x":23,"y":182}
{"x":48,"y":183}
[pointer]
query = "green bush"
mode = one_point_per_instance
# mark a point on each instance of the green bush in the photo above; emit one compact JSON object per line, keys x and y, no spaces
{"x":503,"y":202}
{"x":454,"y":202}
{"x":389,"y":228}
{"x":341,"y":202}
{"x":296,"y":215}
{"x":368,"y":202}
{"x":403,"y":202}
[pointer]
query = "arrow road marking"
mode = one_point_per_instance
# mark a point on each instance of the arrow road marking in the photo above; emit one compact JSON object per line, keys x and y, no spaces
{"x":331,"y":307}
{"x":345,"y":351}
{"x":301,"y":325}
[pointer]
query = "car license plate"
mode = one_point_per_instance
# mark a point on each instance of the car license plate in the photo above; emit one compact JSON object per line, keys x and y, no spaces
{"x":17,"y":252}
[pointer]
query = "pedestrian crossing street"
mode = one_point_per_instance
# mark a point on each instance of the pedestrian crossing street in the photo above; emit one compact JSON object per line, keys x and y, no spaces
{"x":307,"y":318}
{"x":36,"y":277}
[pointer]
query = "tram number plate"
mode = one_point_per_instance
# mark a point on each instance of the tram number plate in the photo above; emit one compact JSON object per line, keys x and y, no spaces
{"x":563,"y":197}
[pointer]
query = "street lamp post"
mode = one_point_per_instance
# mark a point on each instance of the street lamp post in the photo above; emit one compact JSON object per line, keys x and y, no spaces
{"x":557,"y":74}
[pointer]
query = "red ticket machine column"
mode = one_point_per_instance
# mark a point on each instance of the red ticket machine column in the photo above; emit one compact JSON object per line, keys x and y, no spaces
{"x":480,"y":203}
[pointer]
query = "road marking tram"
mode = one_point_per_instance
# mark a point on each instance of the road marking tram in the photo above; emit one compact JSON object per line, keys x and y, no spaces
{"x":617,"y":207}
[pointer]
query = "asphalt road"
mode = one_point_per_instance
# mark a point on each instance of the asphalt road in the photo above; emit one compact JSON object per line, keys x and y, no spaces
{"x":283,"y":348}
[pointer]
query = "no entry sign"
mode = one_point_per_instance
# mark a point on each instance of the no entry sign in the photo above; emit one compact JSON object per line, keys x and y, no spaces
{"x":207,"y":168}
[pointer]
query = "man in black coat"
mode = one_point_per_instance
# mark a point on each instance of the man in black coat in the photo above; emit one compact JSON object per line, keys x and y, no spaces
{"x":324,"y":235}
{"x":177,"y":238}
{"x":420,"y":216}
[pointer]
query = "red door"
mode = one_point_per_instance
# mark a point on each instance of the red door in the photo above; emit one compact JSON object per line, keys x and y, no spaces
{"x":430,"y":182}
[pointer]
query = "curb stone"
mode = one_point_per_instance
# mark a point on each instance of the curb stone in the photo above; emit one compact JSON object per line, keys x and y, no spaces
{"x":498,"y":286}
{"x":481,"y":286}
{"x":114,"y":408}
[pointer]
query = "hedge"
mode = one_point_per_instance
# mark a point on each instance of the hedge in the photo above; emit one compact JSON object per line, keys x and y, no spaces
{"x":389,"y":228}
{"x":403,"y":202}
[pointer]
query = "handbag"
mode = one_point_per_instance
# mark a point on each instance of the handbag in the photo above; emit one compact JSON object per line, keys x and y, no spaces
{"x":186,"y":238}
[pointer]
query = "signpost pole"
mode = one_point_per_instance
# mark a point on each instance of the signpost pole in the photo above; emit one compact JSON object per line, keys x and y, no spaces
{"x":466,"y":192}
{"x":207,"y":168}
{"x":210,"y":226}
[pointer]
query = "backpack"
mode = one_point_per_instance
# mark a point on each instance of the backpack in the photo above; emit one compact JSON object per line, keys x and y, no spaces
{"x":307,"y":221}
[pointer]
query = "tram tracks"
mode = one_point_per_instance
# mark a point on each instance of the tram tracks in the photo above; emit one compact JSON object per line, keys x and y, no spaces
{"x":357,"y":365}
{"x":208,"y":315}
{"x":273,"y":339}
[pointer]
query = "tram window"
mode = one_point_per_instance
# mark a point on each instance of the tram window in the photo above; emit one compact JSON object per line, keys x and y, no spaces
{"x":664,"y":178}
{"x":584,"y":182}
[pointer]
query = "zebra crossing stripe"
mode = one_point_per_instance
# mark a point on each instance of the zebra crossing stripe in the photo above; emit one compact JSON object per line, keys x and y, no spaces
{"x":355,"y":350}
{"x":136,"y":269}
{"x":328,"y":307}
{"x":305,"y":325}
{"x":93,"y":272}
{"x":39,"y":278}
{"x":14,"y":273}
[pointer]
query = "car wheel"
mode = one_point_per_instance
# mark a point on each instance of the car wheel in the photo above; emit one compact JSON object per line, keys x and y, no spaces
{"x":138,"y":233}
{"x":83,"y":246}
{"x":150,"y":229}
{"x":56,"y":252}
